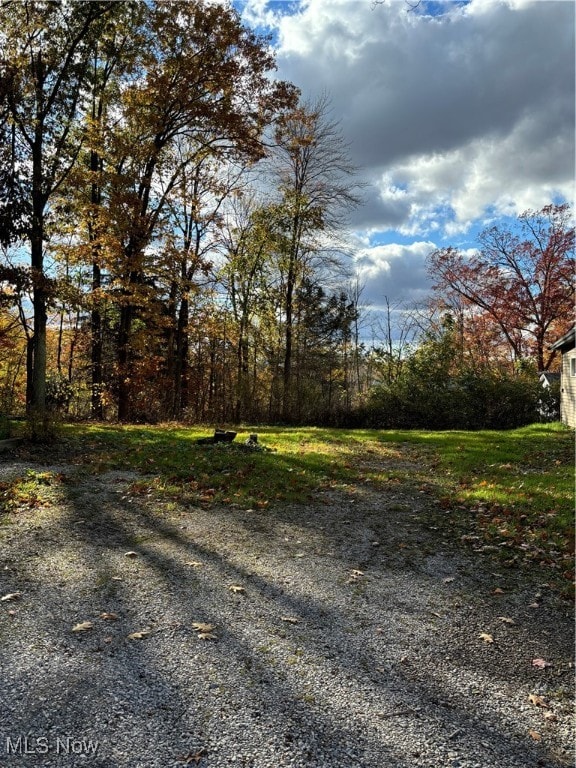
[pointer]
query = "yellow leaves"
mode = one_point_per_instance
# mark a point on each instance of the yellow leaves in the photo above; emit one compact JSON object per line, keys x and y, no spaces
{"x":140,"y":635}
{"x":84,"y":626}
{"x":534,"y":735}
{"x":194,"y":563}
{"x":486,"y":637}
{"x":237,"y":589}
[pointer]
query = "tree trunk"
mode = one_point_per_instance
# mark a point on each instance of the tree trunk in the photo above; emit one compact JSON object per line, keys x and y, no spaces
{"x":181,"y":384}
{"x":37,"y":401}
{"x":123,"y":362}
{"x":288,"y":337}
{"x":97,"y":410}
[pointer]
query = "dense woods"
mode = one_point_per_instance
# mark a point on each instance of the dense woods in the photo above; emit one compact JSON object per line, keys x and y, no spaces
{"x":171,"y":226}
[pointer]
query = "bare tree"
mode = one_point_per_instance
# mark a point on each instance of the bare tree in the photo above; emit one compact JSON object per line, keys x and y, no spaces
{"x":316,"y":180}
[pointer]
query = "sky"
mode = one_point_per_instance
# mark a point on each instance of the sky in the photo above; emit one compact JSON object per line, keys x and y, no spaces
{"x":459,"y":115}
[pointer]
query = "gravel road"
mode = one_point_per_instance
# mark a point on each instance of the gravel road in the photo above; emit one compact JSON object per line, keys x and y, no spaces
{"x":347,"y":633}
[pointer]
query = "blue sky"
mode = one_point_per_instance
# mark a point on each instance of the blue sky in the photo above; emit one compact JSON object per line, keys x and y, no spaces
{"x":459,"y":114}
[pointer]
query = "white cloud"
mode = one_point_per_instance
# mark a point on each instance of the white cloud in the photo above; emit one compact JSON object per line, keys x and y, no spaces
{"x":393,"y":270}
{"x":448,"y":116}
{"x":455,"y":119}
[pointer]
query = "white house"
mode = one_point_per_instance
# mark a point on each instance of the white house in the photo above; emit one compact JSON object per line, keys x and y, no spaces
{"x":567,"y":346}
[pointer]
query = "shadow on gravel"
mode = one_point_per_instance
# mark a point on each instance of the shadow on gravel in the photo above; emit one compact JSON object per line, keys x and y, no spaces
{"x":321,"y":692}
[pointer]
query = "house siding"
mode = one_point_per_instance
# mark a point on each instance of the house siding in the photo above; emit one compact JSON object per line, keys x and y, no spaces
{"x":568,"y":390}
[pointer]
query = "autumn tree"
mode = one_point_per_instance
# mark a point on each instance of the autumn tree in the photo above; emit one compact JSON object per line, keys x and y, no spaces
{"x":314,"y":176}
{"x":520,"y":282}
{"x":45,"y":48}
{"x":204,"y":86}
{"x":245,"y":276}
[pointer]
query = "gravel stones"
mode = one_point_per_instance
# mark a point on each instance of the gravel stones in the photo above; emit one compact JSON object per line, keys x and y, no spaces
{"x":336,"y":653}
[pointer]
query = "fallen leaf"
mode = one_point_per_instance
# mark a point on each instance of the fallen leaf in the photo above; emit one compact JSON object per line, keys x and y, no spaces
{"x":538,"y":701}
{"x":140,"y":635}
{"x":449,"y":580}
{"x":237,"y":589}
{"x":109,"y":616}
{"x":486,"y":637}
{"x":540,"y":663}
{"x":290,"y":620}
{"x":192,"y":757}
{"x":200,"y":626}
{"x":534,"y":605}
{"x":108,"y":639}
{"x":194,"y":563}
{"x":83,"y":626}
{"x":131,"y":554}
{"x":355,"y":572}
{"x":550,"y":717}
{"x":206,"y":636}
{"x":498,"y":591}
{"x":506,"y":620}
{"x":10,"y":597}
{"x":534,"y":735}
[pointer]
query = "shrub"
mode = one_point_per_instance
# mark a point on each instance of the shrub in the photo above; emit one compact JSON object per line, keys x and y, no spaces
{"x":468,"y":401}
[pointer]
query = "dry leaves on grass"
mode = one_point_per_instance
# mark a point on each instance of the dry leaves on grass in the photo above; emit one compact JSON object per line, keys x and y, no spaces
{"x":237,"y":589}
{"x":140,"y":635}
{"x":107,"y":616}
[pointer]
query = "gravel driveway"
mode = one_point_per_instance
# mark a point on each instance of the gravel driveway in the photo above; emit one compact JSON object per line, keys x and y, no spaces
{"x":347,"y":633}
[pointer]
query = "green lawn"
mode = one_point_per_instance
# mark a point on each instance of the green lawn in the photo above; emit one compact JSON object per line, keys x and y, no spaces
{"x":512,"y":490}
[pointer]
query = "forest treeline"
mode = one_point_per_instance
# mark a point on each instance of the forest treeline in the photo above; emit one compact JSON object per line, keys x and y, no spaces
{"x":172,"y":222}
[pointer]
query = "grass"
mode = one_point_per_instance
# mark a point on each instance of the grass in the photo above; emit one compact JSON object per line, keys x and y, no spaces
{"x":509,"y":490}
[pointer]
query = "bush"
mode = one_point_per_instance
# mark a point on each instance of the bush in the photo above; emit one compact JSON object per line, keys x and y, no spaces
{"x":462,"y":402}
